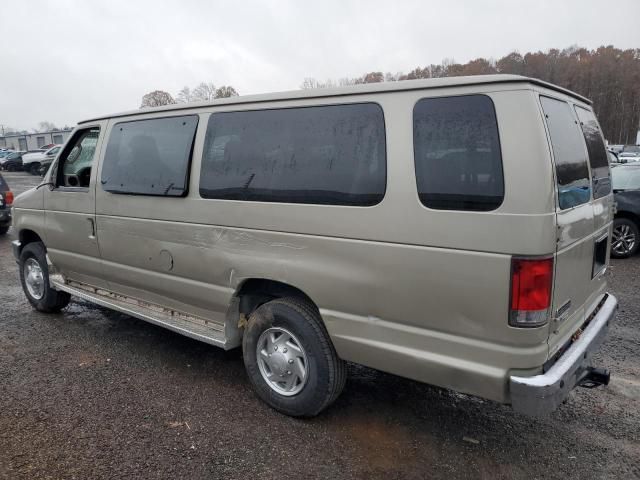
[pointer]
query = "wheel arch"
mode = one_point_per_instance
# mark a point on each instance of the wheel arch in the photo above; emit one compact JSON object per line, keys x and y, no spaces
{"x":253,"y":292}
{"x":249,"y":295}
{"x":629,"y":216}
{"x":27,"y":236}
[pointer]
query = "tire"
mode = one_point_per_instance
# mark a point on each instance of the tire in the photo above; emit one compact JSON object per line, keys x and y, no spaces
{"x":4,"y":230}
{"x":50,"y":300}
{"x":325,"y":372}
{"x":34,"y":169}
{"x":625,"y":238}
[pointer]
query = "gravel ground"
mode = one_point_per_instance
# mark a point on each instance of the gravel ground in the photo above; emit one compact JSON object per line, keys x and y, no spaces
{"x":95,"y":394}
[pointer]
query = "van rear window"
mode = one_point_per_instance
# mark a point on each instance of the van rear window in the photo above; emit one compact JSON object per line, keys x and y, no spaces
{"x":149,"y":157}
{"x":567,"y":142}
{"x":457,"y":153}
{"x":333,"y":155}
{"x":600,"y":172}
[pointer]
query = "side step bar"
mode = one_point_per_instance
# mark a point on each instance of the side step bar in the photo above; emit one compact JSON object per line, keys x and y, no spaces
{"x":187,"y":325}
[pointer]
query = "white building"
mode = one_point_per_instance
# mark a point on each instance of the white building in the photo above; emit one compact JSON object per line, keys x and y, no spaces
{"x":33,"y":141}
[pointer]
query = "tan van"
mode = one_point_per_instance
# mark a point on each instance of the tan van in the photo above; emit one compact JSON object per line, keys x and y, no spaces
{"x":454,"y":231}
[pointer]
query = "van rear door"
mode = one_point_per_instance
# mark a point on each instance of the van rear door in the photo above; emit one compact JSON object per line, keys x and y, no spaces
{"x":583,"y":215}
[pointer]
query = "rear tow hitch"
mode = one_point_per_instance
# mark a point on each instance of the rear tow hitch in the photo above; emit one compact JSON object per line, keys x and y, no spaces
{"x":594,"y":377}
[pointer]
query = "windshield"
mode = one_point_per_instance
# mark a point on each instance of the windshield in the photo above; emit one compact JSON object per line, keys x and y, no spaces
{"x":626,"y":178}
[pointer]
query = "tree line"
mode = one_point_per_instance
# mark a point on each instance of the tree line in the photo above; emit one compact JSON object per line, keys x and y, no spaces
{"x":202,"y":92}
{"x":609,"y":76}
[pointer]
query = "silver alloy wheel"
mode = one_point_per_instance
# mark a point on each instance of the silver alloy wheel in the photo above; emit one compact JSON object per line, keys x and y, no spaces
{"x":623,"y":240}
{"x":282,"y":361}
{"x":34,"y":278}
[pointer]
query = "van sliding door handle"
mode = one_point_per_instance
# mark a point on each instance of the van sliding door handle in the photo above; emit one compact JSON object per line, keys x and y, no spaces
{"x":92,"y":228}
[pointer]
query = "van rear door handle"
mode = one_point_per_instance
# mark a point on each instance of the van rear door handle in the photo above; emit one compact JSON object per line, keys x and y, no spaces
{"x":92,"y":228}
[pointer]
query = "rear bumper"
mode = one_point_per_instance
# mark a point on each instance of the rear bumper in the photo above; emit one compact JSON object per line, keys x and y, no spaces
{"x":541,"y":394}
{"x":5,"y":217}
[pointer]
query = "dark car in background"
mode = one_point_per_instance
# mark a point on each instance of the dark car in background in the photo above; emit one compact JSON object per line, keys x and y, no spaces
{"x":626,"y":225}
{"x":12,"y":162}
{"x":6,"y":200}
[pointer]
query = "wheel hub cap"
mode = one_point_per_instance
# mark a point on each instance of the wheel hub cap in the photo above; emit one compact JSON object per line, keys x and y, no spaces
{"x":623,"y":240}
{"x":33,"y":278}
{"x":282,"y":361}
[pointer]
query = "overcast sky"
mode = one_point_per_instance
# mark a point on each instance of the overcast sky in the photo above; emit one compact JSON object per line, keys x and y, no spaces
{"x":65,"y":60}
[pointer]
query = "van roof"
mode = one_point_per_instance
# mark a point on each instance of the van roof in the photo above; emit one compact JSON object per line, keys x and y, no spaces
{"x":431,"y":83}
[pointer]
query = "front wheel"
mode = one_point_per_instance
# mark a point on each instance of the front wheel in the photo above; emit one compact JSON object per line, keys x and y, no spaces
{"x":290,"y":360}
{"x":34,"y":276}
{"x":625,"y":238}
{"x":34,"y":169}
{"x":4,"y":230}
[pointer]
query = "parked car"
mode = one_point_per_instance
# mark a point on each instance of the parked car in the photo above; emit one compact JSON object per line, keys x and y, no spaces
{"x":448,"y":230}
{"x":6,"y":201}
{"x":625,"y":239}
{"x":626,"y":157}
{"x":31,"y":162}
{"x":12,"y":162}
{"x":5,"y":153}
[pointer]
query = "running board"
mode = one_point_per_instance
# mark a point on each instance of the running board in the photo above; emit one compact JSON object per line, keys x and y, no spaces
{"x":179,"y":322}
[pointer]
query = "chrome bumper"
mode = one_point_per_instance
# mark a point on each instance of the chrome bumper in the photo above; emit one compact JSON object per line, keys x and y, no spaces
{"x":541,"y":394}
{"x":16,"y":246}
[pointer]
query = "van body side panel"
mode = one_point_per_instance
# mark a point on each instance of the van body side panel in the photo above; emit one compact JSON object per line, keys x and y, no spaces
{"x":417,"y":292}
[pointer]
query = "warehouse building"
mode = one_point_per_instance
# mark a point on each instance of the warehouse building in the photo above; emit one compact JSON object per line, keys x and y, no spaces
{"x":33,"y":141}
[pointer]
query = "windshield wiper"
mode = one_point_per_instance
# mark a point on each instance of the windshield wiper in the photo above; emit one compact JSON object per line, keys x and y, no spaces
{"x":45,"y":183}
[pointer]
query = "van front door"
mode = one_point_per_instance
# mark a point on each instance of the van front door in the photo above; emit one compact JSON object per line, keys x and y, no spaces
{"x":72,"y":244}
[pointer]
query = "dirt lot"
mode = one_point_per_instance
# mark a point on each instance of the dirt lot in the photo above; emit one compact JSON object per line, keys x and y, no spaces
{"x":95,"y":394}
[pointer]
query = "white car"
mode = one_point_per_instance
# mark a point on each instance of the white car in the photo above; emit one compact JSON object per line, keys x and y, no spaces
{"x":31,"y":161}
{"x":627,"y":157}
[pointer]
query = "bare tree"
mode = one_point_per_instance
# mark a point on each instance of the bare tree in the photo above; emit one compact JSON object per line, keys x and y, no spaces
{"x":45,"y":127}
{"x":310,"y":82}
{"x":372,"y":77}
{"x":226,"y":91}
{"x":205,"y":91}
{"x":184,"y":95}
{"x":609,"y":76}
{"x":157,"y":98}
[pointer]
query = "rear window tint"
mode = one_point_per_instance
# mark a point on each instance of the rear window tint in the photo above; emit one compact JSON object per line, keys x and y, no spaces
{"x":457,"y":153}
{"x":332,"y":155}
{"x":149,"y":157}
{"x":572,"y":172}
{"x":600,"y":173}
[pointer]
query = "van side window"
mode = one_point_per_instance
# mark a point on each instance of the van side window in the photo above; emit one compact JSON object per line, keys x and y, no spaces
{"x":457,"y":153}
{"x":600,"y":172}
{"x":150,"y":157}
{"x":74,"y":166}
{"x":572,"y":172}
{"x":332,"y":155}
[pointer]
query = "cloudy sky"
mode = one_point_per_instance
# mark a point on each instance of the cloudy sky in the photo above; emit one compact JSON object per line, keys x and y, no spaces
{"x":64,"y":60}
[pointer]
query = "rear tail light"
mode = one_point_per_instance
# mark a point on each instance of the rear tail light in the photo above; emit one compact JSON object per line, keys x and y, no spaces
{"x":8,"y":198}
{"x":531,"y":281}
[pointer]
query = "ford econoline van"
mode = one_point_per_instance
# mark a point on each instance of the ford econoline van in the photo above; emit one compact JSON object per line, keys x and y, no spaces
{"x":454,"y":231}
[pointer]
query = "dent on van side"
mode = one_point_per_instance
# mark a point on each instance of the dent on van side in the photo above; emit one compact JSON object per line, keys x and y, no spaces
{"x":453,"y":231}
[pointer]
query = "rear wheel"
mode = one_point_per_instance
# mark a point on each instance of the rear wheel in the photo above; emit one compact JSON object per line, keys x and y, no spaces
{"x":625,"y":238}
{"x":34,"y":169}
{"x":34,"y":276}
{"x":289,"y":357}
{"x":4,"y":230}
